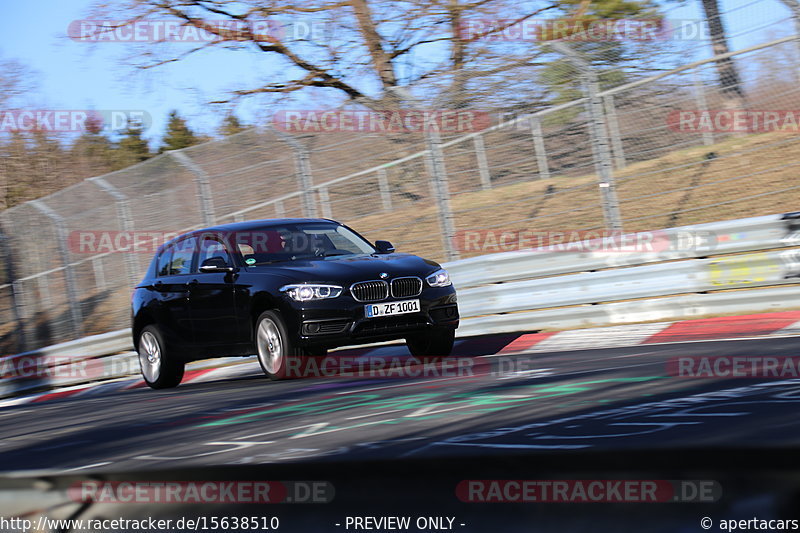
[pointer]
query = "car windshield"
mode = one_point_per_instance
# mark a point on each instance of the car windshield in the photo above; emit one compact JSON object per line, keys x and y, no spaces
{"x":302,"y":241}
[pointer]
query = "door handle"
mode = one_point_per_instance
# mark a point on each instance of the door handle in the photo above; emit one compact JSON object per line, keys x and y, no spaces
{"x":193,"y":283}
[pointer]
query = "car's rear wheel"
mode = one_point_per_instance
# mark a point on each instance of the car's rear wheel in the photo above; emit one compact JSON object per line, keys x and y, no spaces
{"x":160,"y":368}
{"x":277,"y":353}
{"x":432,"y":344}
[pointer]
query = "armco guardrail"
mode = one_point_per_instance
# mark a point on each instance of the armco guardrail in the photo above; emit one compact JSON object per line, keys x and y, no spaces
{"x":686,"y":242}
{"x":535,"y":290}
{"x":738,"y":266}
{"x":662,"y":279}
{"x":84,"y":360}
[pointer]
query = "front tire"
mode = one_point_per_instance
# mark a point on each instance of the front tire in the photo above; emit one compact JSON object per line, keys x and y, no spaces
{"x":436,"y":343}
{"x":277,"y":353}
{"x":160,"y":368}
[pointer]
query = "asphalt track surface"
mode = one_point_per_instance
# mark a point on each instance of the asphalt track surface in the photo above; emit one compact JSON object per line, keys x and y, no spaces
{"x":478,"y":406}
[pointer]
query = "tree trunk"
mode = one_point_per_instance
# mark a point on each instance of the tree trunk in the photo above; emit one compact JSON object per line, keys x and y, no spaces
{"x":729,"y":80}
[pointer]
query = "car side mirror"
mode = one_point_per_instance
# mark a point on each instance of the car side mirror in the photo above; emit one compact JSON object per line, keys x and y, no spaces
{"x":384,"y":247}
{"x":216,"y":264}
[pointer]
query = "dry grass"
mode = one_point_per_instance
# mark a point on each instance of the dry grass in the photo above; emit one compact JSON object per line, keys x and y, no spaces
{"x":737,"y":178}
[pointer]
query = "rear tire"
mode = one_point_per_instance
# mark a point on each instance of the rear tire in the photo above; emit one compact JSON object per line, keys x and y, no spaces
{"x":433,"y":344}
{"x":160,"y":368}
{"x":277,"y":353}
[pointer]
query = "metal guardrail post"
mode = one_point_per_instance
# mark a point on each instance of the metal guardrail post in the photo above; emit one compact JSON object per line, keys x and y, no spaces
{"x":99,"y":274}
{"x":439,"y":183}
{"x":702,"y":105}
{"x":203,"y":185}
{"x":600,"y":143}
{"x":538,"y":145}
{"x":16,"y":292}
{"x":305,"y":181}
{"x":122,"y":204}
{"x":383,"y":187}
{"x":442,"y":193}
{"x":613,"y":130}
{"x":44,"y":292}
{"x":325,"y":202}
{"x":483,"y":163}
{"x":76,"y":316}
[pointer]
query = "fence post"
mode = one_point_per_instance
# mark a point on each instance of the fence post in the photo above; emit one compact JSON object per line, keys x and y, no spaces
{"x":442,"y":191}
{"x":123,"y":207}
{"x":16,"y":291}
{"x":44,"y":291}
{"x":305,"y":181}
{"x":613,"y":131}
{"x":483,"y":163}
{"x":302,"y":165}
{"x":597,"y":128}
{"x":203,"y":185}
{"x":99,"y":274}
{"x":325,"y":202}
{"x":439,"y":185}
{"x":702,"y":105}
{"x":69,"y":273}
{"x":383,"y":187}
{"x":539,"y":149}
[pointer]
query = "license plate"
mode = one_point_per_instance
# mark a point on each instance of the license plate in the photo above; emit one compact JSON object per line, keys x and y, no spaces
{"x":391,"y":308}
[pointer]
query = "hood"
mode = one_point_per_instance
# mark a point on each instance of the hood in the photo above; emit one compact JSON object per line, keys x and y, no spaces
{"x":350,"y":269}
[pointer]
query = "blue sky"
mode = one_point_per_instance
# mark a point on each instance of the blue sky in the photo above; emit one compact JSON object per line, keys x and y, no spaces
{"x":76,"y":75}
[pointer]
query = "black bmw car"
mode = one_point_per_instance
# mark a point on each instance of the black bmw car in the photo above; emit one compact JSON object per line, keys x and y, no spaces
{"x":283,"y":289}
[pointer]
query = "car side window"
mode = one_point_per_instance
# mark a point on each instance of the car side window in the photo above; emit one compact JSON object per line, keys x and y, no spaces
{"x":212,"y":247}
{"x":164,"y":261}
{"x":181,"y":262}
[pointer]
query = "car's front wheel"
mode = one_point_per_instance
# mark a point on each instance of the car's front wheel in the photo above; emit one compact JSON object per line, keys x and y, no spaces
{"x":432,"y":344}
{"x":277,"y":353}
{"x":160,"y":368}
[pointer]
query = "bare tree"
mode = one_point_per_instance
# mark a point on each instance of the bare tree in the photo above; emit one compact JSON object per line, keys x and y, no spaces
{"x":362,"y":46}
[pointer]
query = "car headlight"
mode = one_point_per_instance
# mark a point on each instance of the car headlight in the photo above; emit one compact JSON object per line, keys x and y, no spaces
{"x":306,"y":292}
{"x":440,"y":278}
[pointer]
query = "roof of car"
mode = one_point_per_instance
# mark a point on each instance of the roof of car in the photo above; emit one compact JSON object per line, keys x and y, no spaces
{"x":255,"y":224}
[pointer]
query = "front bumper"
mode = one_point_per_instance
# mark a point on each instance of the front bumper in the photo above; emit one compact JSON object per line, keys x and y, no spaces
{"x":341,"y":321}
